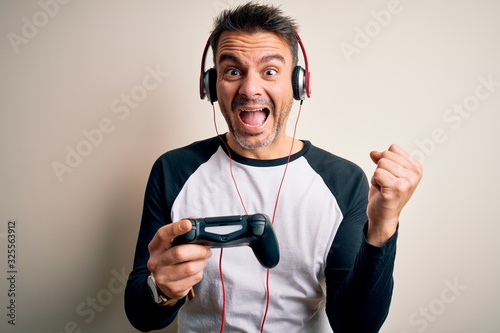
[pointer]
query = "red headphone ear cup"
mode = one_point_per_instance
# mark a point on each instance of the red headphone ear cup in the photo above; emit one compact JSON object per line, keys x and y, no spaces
{"x":299,"y":83}
{"x":209,"y":82}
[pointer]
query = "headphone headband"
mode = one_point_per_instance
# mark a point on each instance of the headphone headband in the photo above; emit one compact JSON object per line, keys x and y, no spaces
{"x":202,"y":72}
{"x":307,"y":85}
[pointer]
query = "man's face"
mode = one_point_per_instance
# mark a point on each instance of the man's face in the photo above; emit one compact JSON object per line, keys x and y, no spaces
{"x":254,"y":88}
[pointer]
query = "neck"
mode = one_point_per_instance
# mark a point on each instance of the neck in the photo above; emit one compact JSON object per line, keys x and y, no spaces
{"x":278,"y":149}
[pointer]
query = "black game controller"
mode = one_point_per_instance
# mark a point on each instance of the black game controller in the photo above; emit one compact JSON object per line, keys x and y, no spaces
{"x":255,"y":231}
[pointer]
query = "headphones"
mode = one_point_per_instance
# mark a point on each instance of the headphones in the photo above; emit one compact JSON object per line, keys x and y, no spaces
{"x":300,"y":78}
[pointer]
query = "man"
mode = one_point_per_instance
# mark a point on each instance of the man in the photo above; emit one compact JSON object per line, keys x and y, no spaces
{"x":337,"y":236}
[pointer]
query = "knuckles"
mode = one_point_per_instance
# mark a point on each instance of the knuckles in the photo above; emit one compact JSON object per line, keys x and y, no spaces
{"x":179,"y":253}
{"x":152,"y":264}
{"x":163,"y":233}
{"x":403,"y":186}
{"x":189,"y":252}
{"x":194,"y":269}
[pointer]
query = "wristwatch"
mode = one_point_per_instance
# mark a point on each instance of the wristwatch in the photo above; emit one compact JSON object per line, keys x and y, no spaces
{"x":158,"y":296}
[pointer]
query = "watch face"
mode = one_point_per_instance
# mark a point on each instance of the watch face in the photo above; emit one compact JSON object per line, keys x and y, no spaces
{"x":156,"y":292}
{"x":153,"y":289}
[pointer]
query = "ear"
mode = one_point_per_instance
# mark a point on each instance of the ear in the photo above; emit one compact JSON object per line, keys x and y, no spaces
{"x":299,"y":83}
{"x":210,"y":82}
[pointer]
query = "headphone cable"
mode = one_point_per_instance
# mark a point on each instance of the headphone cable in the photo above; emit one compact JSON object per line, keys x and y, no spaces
{"x":268,"y":293}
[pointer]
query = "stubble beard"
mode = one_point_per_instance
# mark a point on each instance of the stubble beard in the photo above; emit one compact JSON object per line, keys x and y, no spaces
{"x":243,"y":138}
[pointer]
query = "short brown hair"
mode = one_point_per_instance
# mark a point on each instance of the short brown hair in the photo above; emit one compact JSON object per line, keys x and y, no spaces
{"x":251,"y":18}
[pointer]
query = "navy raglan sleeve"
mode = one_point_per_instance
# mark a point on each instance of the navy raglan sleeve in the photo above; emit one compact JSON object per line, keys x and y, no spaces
{"x":359,"y":276}
{"x":168,"y":175}
{"x":143,"y":313}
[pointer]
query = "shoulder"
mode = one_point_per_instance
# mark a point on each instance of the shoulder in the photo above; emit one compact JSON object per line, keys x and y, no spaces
{"x":329,"y":164}
{"x":195,"y":153}
{"x":183,"y":161}
{"x":172,"y":169}
{"x":198,"y":150}
{"x":345,"y":179}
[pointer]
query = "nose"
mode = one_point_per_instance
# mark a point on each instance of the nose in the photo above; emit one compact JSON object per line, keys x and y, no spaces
{"x":251,"y":85}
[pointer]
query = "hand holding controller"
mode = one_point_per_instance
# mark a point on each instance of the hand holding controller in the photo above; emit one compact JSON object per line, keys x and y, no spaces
{"x":255,"y":231}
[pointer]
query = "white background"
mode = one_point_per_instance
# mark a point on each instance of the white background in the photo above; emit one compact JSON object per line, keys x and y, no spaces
{"x":66,"y":66}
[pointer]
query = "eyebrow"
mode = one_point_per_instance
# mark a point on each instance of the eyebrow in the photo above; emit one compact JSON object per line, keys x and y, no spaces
{"x":264,"y":59}
{"x":270,"y":57}
{"x":230,"y":57}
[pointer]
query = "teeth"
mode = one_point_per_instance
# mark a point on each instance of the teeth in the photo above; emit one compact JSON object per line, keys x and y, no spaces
{"x":261,"y":109}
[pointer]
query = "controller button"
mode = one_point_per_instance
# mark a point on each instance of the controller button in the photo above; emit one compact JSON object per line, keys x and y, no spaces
{"x":223,"y":219}
{"x":191,"y":234}
{"x":258,"y":228}
{"x":258,"y":218}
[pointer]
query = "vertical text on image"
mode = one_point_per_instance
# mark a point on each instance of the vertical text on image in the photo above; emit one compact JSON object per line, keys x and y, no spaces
{"x":11,"y":271}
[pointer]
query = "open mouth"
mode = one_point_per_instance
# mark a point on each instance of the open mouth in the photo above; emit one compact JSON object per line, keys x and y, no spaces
{"x":253,"y":118}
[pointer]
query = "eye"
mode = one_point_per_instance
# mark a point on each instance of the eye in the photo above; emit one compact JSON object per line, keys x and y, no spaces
{"x":271,"y":72}
{"x":232,"y":72}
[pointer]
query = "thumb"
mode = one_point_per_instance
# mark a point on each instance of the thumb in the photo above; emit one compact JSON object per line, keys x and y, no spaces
{"x":183,"y":226}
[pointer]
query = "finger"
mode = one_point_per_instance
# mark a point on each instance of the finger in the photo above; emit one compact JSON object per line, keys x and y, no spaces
{"x":397,"y":161}
{"x":401,"y":152}
{"x":186,"y":253}
{"x":375,"y":156}
{"x":401,"y":164}
{"x":393,"y":187}
{"x":180,"y":271}
{"x":176,"y":285}
{"x":175,"y":256}
{"x":396,"y":153}
{"x":382,"y":179}
{"x":396,"y":156}
{"x":394,"y":164}
{"x":176,"y":280}
{"x":163,"y":238}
